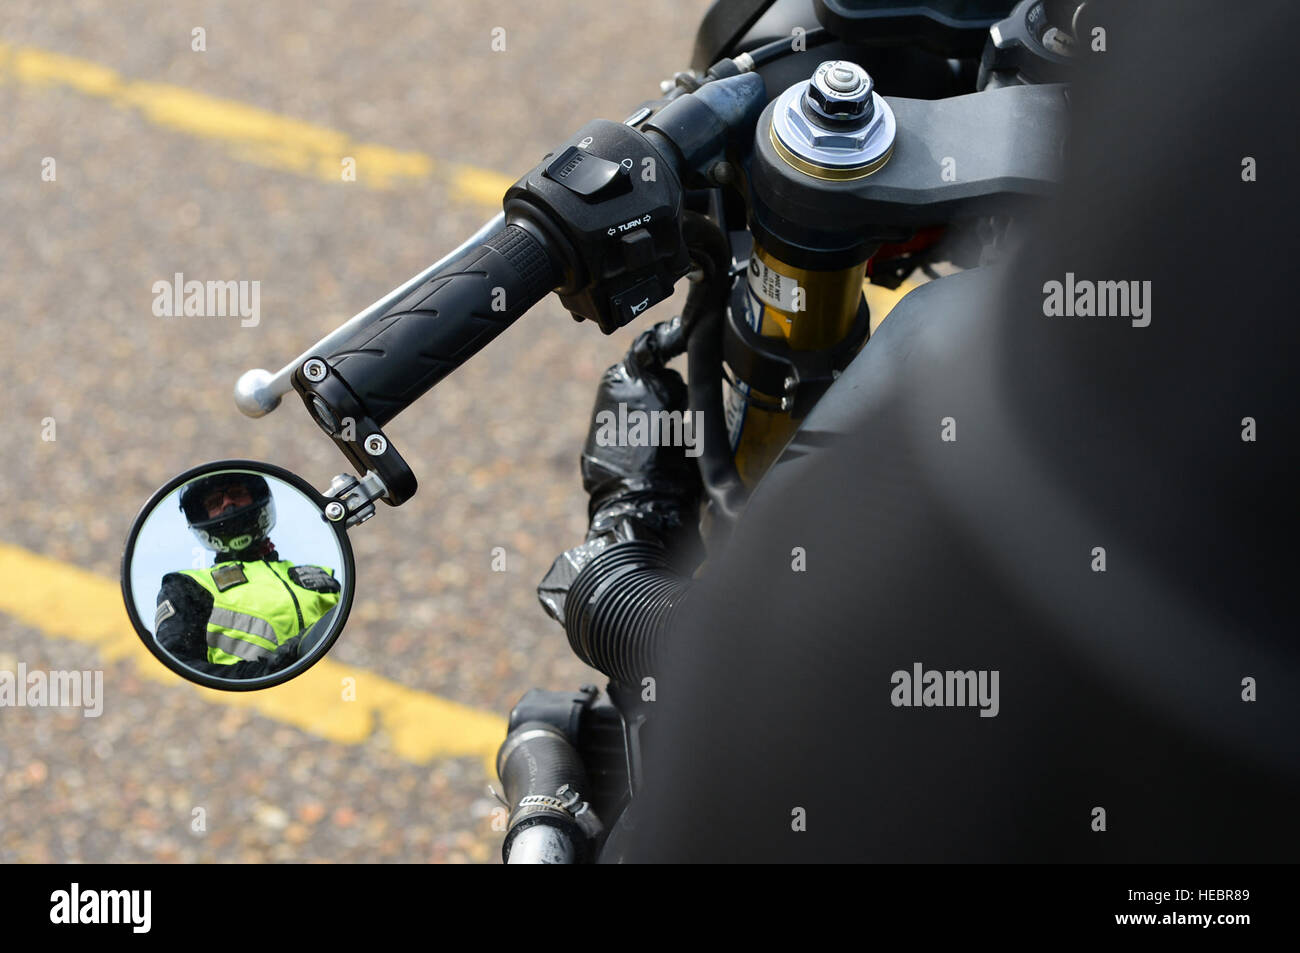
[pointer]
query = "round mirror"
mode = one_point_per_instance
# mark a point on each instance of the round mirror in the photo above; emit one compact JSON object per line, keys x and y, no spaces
{"x":234,"y":578}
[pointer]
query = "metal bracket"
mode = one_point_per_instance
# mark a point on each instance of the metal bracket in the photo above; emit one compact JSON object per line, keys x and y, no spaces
{"x":353,"y":500}
{"x":770,"y":366}
{"x":339,"y":413}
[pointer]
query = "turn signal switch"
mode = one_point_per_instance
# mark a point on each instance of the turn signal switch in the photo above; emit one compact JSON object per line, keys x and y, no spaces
{"x":610,"y":199}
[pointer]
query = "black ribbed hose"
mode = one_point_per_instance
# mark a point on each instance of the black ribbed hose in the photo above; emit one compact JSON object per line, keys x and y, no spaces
{"x":620,"y":606}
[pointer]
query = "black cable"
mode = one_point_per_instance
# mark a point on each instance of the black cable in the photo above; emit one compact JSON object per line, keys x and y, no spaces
{"x":769,"y":51}
{"x":702,"y":322}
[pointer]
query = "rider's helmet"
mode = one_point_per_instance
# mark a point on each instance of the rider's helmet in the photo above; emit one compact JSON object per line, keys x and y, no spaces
{"x":235,"y":527}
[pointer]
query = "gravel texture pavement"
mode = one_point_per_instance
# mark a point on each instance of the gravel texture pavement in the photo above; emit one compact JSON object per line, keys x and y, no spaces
{"x":137,"y":398}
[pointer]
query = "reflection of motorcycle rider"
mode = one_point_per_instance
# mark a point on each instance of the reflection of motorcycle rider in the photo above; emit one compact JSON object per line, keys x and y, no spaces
{"x":243,"y":617}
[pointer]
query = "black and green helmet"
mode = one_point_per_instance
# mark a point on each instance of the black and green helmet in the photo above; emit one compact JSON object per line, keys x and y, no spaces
{"x":235,"y":528}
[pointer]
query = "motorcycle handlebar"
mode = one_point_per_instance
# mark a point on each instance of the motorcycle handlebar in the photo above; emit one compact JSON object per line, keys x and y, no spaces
{"x":445,"y":321}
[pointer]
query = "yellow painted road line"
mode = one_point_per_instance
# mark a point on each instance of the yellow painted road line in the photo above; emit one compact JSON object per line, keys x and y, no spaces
{"x":249,"y":133}
{"x":63,"y":601}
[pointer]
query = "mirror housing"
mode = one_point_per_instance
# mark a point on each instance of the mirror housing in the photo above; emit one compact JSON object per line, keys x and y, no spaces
{"x":231,"y":608}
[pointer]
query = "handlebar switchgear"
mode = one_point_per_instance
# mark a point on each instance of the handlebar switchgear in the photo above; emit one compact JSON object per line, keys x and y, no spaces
{"x":599,"y":221}
{"x":611,"y":203}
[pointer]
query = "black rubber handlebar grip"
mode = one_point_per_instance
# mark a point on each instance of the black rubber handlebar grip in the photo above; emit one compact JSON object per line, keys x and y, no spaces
{"x":444,"y":322}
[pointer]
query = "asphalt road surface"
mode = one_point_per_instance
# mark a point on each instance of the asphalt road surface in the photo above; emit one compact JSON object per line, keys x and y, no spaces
{"x":129,"y":155}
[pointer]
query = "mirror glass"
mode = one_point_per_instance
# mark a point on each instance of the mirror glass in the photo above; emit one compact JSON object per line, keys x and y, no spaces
{"x":234,"y":578}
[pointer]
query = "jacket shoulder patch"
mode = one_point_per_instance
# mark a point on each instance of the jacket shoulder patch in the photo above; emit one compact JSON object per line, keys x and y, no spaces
{"x":165,"y":612}
{"x":314,"y":578}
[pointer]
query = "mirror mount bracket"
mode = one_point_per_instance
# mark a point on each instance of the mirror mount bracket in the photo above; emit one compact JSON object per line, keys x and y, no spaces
{"x":353,"y":499}
{"x":341,"y":414}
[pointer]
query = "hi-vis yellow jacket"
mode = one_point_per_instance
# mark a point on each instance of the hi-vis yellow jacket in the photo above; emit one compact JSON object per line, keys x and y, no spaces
{"x":257,"y":606}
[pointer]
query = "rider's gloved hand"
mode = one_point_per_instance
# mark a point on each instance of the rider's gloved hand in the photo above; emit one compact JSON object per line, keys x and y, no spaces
{"x":641,"y":482}
{"x":286,"y":654}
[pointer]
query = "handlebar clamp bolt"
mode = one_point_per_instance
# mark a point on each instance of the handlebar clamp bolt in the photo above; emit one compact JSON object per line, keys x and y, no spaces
{"x":314,"y":370}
